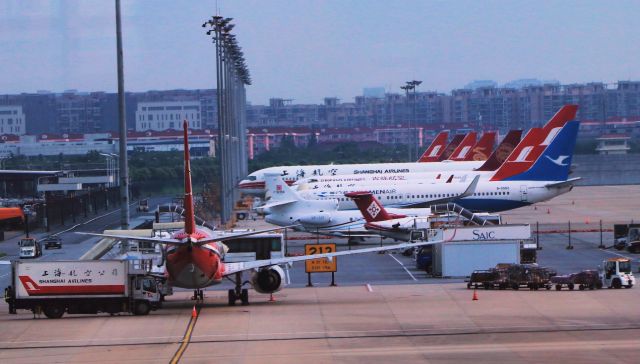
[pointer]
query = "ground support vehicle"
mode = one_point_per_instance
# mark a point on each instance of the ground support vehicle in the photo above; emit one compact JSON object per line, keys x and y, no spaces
{"x":530,"y":276}
{"x":30,"y":248}
{"x":143,"y":206}
{"x":627,"y":236}
{"x":51,"y":242}
{"x":482,"y":278}
{"x":81,"y":287}
{"x":587,"y":279}
{"x":616,"y":273}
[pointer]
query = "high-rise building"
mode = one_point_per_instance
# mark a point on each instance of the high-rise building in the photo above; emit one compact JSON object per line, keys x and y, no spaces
{"x":12,"y":120}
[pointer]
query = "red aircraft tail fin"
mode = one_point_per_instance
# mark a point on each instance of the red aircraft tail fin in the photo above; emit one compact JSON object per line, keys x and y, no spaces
{"x":451,"y":147}
{"x":523,"y":155}
{"x":483,"y":148}
{"x":500,"y":154}
{"x":370,"y":207}
{"x":563,"y":116}
{"x":436,"y":148}
{"x":189,"y":214}
{"x":464,"y":148}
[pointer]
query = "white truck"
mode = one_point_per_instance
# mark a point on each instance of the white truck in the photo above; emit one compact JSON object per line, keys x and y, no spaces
{"x":81,"y":287}
{"x":30,"y":248}
{"x":616,"y":273}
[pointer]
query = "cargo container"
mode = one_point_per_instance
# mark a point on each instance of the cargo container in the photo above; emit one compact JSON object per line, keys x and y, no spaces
{"x":81,"y":287}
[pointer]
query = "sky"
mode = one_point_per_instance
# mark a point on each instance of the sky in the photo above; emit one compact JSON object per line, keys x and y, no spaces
{"x":308,"y":50}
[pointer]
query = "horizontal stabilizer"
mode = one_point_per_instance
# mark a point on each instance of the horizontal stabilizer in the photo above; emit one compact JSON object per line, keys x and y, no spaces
{"x":569,"y":182}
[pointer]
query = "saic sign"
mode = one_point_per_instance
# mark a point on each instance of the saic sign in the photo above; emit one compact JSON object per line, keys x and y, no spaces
{"x":483,"y":235}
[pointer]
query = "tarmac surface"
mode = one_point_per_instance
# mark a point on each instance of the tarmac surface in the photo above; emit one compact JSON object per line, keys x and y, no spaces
{"x":382,"y":310}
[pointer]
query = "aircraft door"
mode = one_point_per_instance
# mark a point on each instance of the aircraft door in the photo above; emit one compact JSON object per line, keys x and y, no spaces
{"x":523,"y":193}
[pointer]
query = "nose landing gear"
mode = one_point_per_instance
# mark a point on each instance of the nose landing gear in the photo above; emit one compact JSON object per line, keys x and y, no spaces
{"x":198,"y":295}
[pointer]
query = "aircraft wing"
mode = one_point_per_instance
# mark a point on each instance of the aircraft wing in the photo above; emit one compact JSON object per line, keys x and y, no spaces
{"x":232,"y":268}
{"x":159,"y":240}
{"x":569,"y":182}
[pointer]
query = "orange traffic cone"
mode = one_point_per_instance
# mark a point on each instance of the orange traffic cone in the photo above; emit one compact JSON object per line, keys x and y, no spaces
{"x":475,"y":295}
{"x":194,"y":312}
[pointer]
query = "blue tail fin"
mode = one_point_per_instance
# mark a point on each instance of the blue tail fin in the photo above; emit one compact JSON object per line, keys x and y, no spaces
{"x":555,"y":161}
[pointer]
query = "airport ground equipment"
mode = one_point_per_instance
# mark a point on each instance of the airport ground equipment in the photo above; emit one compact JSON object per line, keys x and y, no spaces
{"x":81,"y":287}
{"x":529,"y":276}
{"x":30,"y":248}
{"x":143,"y":206}
{"x":482,"y":278}
{"x":616,"y":273}
{"x":627,"y":236}
{"x":586,"y":279}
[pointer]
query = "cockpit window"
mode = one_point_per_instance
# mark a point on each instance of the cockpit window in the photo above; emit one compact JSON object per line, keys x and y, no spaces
{"x":252,"y":178}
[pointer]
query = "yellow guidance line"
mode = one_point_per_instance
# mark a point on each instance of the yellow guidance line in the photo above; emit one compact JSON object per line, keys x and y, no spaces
{"x":186,"y":339}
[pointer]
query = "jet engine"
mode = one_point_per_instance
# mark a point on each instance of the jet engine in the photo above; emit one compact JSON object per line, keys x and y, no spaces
{"x":268,"y":280}
{"x":321,"y":218}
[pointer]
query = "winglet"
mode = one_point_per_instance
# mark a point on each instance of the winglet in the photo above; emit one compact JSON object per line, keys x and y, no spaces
{"x":436,"y":148}
{"x":463,"y":149}
{"x":472,"y":187}
{"x":370,"y":207}
{"x":189,"y":215}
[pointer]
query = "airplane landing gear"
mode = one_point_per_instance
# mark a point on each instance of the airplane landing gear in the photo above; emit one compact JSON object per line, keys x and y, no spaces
{"x":238,"y":293}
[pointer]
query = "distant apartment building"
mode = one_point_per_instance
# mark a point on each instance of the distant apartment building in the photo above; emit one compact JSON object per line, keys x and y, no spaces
{"x":167,"y":115}
{"x":12,"y":120}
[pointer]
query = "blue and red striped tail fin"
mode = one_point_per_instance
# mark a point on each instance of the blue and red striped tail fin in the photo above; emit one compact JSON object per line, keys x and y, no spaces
{"x":555,"y":162}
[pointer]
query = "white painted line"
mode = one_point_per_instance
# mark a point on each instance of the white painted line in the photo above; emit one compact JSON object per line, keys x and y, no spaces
{"x":4,"y":275}
{"x":369,"y":288}
{"x":618,"y":254}
{"x":403,"y":267}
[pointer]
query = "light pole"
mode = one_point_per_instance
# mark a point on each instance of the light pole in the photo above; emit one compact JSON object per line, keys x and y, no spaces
{"x":124,"y":168}
{"x":232,"y":75}
{"x":406,"y":89}
{"x":414,"y":86}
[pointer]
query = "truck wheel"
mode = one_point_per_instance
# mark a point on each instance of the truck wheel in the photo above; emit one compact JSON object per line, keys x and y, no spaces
{"x":54,"y":311}
{"x":515,"y":286}
{"x":570,"y":286}
{"x":581,"y":287}
{"x":628,"y":285}
{"x":142,"y":308}
{"x":616,"y":284}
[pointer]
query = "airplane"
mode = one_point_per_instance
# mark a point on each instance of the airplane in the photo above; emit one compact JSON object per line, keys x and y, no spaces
{"x":445,"y":152}
{"x":518,"y":182}
{"x":495,"y":160}
{"x":254,"y":183}
{"x":285,"y":207}
{"x":194,"y":255}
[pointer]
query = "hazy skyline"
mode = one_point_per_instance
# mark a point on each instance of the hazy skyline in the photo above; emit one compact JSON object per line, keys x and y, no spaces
{"x":308,"y":50}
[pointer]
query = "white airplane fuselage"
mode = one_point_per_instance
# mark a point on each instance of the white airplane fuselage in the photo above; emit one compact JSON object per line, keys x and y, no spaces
{"x":254,"y":183}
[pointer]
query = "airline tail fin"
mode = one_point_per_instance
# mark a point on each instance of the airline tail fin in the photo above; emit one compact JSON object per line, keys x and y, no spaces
{"x":464,"y":148}
{"x":502,"y":152}
{"x":521,"y":158}
{"x":278,"y":191}
{"x":457,"y":139}
{"x":555,"y":161}
{"x":564,"y":115}
{"x":189,"y":214}
{"x":436,"y":148}
{"x":370,"y":207}
{"x":483,"y":148}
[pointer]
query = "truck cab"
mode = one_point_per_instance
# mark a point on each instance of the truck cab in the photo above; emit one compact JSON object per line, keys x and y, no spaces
{"x":30,"y":248}
{"x":616,"y":273}
{"x":146,"y":294}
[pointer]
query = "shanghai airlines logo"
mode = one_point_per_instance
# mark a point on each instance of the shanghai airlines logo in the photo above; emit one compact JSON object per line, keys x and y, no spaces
{"x":559,"y":161}
{"x":373,"y":210}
